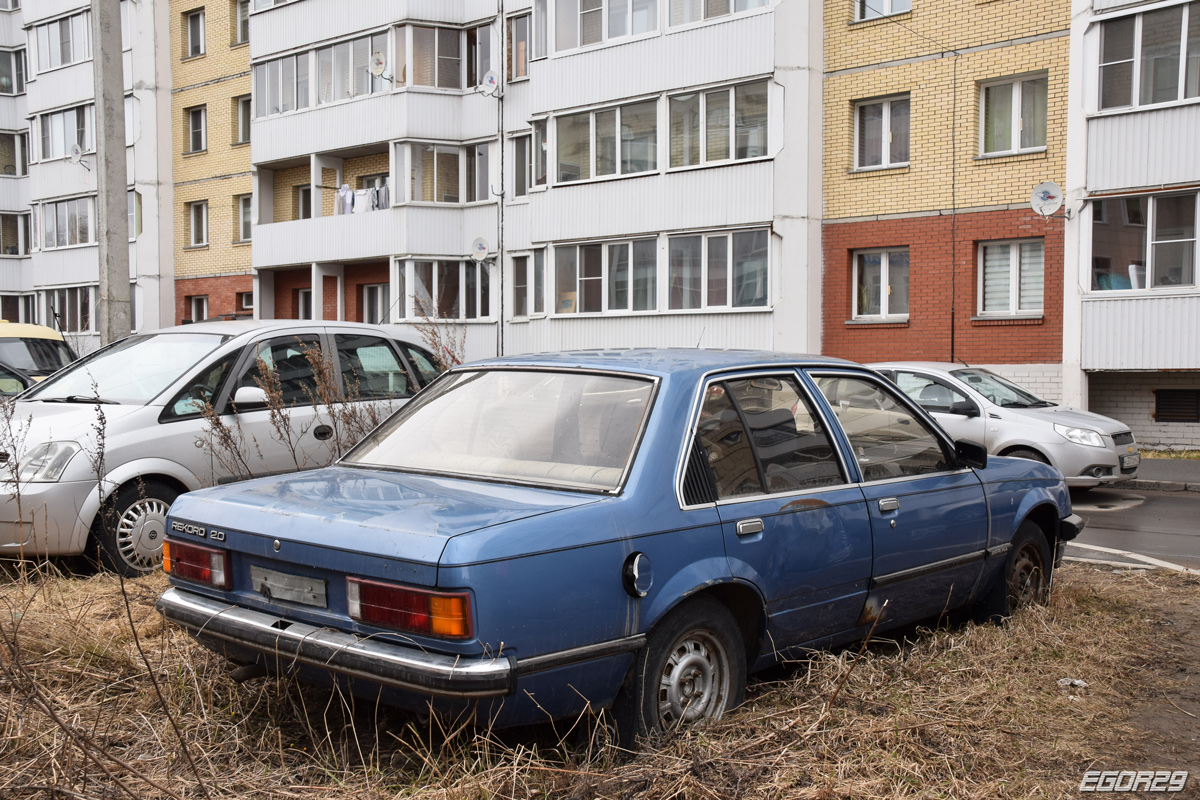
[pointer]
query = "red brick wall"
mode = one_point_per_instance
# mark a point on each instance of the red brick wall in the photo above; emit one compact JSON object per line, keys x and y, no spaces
{"x":222,"y":295}
{"x":356,"y":277}
{"x":288,"y":283}
{"x":927,"y":333}
{"x":329,"y":298}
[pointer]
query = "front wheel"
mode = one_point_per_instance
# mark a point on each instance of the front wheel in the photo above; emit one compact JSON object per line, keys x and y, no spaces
{"x":692,"y":669}
{"x":1025,"y":578}
{"x":131,"y":526}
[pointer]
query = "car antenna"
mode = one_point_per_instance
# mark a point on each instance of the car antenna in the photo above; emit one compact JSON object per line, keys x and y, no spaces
{"x":701,"y":339}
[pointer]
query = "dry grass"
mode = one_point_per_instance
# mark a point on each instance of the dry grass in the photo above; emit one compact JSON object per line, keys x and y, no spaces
{"x":970,"y":712}
{"x":1184,"y":454}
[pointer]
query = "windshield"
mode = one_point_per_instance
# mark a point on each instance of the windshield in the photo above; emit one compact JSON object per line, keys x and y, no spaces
{"x":35,"y":356}
{"x":998,"y":390}
{"x":569,"y":429}
{"x":134,"y":370}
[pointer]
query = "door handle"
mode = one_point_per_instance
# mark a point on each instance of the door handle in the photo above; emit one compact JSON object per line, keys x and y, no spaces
{"x":889,"y":504}
{"x":747,"y":527}
{"x":322,"y":432}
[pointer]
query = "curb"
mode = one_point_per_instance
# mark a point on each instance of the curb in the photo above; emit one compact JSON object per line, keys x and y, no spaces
{"x":1154,"y":486}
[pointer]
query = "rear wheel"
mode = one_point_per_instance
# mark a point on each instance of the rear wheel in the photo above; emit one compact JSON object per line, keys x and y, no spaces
{"x":1025,"y":577}
{"x":693,"y":668}
{"x":131,"y":526}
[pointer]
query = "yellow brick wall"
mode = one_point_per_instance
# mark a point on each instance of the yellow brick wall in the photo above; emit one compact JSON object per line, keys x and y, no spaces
{"x":286,"y":181}
{"x":945,"y":103}
{"x":213,"y":80}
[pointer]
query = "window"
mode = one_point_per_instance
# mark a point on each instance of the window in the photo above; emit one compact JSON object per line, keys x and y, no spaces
{"x":244,"y":220}
{"x":522,"y":165}
{"x":1124,"y":257}
{"x":64,"y":41}
{"x":518,"y":47}
{"x":344,"y":70}
{"x":193,"y":27}
{"x":614,"y":276}
{"x":134,"y":199}
{"x":588,"y":142}
{"x":241,"y":122}
{"x":198,"y":224}
{"x":261,"y":4}
{"x":71,"y":308}
{"x":304,"y":304}
{"x":529,"y":282}
{"x":880,"y":283}
{"x":196,"y":129}
{"x":477,"y":183}
{"x":198,"y":307}
{"x":437,"y":57}
{"x":14,"y":154}
{"x":1148,"y":58}
{"x":1177,"y":405}
{"x":241,"y":21}
{"x":370,"y":367}
{"x":1011,"y":277}
{"x":705,"y":271}
{"x":704,"y":124}
{"x":1013,"y":116}
{"x":584,"y":22}
{"x":685,"y":11}
{"x":68,"y":222}
{"x":479,"y":54}
{"x":375,"y":302}
{"x":281,"y":85}
{"x":62,"y":129}
{"x":14,"y":235}
{"x":520,"y":286}
{"x":12,"y":72}
{"x":246,"y":301}
{"x":870,"y":9}
{"x":540,"y":153}
{"x":434,"y":173}
{"x":451,"y":290}
{"x":881,"y":133}
{"x":303,"y":200}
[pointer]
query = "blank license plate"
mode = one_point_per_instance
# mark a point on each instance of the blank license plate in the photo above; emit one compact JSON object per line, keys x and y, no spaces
{"x":1131,"y":460}
{"x":288,"y":588}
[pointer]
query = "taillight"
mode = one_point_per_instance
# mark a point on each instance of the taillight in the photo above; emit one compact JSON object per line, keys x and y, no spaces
{"x":192,"y":562}
{"x":445,"y":614}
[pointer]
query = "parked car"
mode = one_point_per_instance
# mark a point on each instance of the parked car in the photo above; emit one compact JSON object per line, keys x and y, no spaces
{"x":536,"y":537}
{"x":36,"y":350}
{"x":152,"y":389}
{"x":974,"y":403}
{"x":13,"y":381}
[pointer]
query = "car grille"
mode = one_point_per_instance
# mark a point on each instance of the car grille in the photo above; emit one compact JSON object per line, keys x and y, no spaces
{"x":1123,"y":438}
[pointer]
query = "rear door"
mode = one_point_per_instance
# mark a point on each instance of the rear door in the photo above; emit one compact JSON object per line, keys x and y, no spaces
{"x":928,"y":516}
{"x":793,"y":525}
{"x":958,"y":415}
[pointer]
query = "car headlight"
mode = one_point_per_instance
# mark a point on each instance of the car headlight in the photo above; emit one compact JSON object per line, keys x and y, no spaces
{"x":46,"y":462}
{"x":1080,"y":436}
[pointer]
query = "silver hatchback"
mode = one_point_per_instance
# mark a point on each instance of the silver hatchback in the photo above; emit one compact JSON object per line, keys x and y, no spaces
{"x":977,"y":404}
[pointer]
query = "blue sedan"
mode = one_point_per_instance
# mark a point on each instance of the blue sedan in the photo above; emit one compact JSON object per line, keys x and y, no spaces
{"x":541,"y":537}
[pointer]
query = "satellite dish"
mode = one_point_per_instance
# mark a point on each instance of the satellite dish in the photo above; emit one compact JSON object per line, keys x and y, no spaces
{"x":490,"y":85}
{"x":76,"y":154}
{"x":479,"y":249}
{"x":378,"y":64}
{"x":1046,"y":198}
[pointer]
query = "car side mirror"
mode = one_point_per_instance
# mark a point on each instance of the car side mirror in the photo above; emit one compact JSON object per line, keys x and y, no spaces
{"x":970,"y":454}
{"x":964,"y":408}
{"x":248,"y":398}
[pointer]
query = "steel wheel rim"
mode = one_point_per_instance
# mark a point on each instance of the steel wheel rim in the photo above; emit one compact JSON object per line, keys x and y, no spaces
{"x":1025,"y":583}
{"x":140,"y":533}
{"x":694,"y":683}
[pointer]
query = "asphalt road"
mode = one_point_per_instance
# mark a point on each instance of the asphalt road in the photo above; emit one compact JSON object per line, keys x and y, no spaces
{"x":1162,"y":525}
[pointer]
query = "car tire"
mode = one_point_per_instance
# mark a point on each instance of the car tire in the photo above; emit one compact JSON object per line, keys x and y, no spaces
{"x":1025,"y":452}
{"x":131,"y":526}
{"x":692,"y":668}
{"x":1024,"y":579}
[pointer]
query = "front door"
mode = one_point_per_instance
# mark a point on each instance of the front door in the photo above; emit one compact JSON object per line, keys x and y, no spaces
{"x":928,"y":516}
{"x":793,"y":525}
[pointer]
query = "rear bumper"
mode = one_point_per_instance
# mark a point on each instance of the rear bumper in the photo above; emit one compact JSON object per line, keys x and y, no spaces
{"x":388,"y":664}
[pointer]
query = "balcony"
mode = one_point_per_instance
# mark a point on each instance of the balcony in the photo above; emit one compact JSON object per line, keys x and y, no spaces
{"x":1146,"y":331}
{"x":1144,"y":148}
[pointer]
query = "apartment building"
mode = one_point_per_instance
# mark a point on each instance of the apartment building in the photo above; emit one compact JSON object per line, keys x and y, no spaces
{"x":211,"y":116}
{"x":541,"y":174}
{"x":940,"y":116}
{"x":48,"y":148}
{"x":1133,"y":169}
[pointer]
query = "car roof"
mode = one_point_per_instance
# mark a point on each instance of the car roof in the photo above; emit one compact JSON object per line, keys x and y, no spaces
{"x":928,"y":366}
{"x":239,"y":327}
{"x":23,"y":330}
{"x":662,"y":361}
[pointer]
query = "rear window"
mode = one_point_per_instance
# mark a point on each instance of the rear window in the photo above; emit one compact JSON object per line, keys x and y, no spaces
{"x":40,"y":356}
{"x":568,"y":429}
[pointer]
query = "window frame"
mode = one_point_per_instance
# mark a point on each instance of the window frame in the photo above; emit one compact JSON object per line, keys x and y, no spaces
{"x":47,"y":133}
{"x":1147,"y":221}
{"x":889,"y":9}
{"x":517,"y":68}
{"x":75,"y":314}
{"x":604,"y":279}
{"x":482,"y":287}
{"x":885,"y":312}
{"x":194,"y":39}
{"x":245,"y":218}
{"x":197,"y":129}
{"x":1136,"y":60}
{"x":604,"y":10}
{"x":380,"y":304}
{"x":885,"y":141}
{"x":731,"y":132}
{"x":1016,"y":123}
{"x":48,"y":229}
{"x":18,"y":69}
{"x":245,"y":115}
{"x":41,"y":33}
{"x":619,"y":142}
{"x":705,"y":276}
{"x":241,"y":22}
{"x":1015,"y":267}
{"x":262,"y":78}
{"x":731,"y":9}
{"x":197,"y":224}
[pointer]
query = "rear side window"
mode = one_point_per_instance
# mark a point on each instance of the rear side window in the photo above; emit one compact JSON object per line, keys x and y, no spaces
{"x":930,"y":394}
{"x":889,"y":441}
{"x":761,"y":436}
{"x":370,"y":368}
{"x":423,"y":362}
